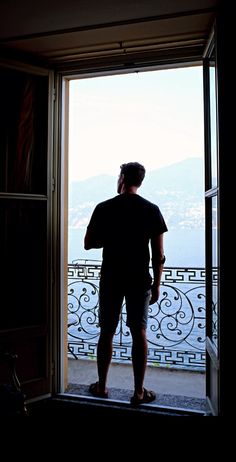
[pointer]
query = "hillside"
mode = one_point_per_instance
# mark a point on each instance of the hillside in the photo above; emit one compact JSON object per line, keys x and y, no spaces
{"x":177,"y":189}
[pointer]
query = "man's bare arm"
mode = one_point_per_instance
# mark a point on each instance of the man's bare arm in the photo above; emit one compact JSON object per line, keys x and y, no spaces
{"x":87,"y":240}
{"x":157,"y":265}
{"x":90,"y":241}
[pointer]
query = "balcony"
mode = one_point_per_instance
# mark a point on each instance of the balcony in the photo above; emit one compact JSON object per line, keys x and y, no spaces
{"x":176,"y":332}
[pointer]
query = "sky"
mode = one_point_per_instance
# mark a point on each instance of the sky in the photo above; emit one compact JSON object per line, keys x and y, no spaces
{"x":155,"y":118}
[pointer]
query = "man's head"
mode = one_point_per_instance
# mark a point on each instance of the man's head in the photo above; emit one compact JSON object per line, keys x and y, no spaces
{"x":131,"y":174}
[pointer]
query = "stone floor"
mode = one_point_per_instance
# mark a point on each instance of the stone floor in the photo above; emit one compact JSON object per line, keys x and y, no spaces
{"x":174,"y":388}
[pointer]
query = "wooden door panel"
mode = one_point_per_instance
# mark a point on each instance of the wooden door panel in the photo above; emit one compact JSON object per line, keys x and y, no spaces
{"x":25,"y":227}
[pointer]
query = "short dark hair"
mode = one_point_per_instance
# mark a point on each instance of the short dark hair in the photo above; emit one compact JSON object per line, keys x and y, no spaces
{"x":133,"y":172}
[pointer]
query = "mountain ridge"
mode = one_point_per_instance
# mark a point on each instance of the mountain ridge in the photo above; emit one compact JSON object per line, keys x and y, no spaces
{"x":178,"y":190}
{"x":165,"y":178}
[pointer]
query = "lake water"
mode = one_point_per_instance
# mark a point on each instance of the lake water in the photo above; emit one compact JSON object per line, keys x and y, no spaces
{"x":183,"y":248}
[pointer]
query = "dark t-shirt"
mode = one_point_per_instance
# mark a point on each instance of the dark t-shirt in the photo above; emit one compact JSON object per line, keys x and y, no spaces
{"x":123,"y":226}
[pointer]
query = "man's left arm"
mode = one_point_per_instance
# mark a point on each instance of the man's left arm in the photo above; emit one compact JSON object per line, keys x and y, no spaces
{"x":93,"y":238}
{"x":90,"y":241}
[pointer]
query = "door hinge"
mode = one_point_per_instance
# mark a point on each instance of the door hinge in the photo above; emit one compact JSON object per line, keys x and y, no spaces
{"x":54,"y":94}
{"x":53,"y":184}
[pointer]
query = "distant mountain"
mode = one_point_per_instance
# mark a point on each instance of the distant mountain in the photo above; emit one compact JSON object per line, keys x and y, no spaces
{"x":177,"y":189}
{"x":186,"y":176}
{"x":96,"y":188}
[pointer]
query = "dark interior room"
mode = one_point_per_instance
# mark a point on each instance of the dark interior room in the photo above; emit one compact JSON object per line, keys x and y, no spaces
{"x":42,"y":47}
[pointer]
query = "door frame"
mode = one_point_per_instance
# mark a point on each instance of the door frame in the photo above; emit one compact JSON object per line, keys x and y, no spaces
{"x":65,"y":79}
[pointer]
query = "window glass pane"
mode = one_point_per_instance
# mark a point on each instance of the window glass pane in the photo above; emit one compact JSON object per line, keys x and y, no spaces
{"x":23,"y":250}
{"x":23,"y":135}
{"x":213,"y":123}
{"x":215,"y":271}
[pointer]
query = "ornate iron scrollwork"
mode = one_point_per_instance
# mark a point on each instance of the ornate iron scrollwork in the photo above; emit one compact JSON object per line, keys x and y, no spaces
{"x":176,"y":323}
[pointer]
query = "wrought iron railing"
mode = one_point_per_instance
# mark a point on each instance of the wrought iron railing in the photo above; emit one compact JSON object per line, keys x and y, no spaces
{"x":176,"y":323}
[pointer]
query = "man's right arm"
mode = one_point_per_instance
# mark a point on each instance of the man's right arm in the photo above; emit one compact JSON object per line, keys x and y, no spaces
{"x":157,"y":266}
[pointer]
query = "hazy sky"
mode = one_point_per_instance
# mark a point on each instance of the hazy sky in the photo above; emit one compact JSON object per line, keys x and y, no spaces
{"x":155,"y":118}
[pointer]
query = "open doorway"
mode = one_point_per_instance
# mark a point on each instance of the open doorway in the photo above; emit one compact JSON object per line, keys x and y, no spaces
{"x":155,"y":118}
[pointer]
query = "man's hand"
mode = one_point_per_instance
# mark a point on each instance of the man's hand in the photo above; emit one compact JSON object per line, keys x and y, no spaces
{"x":155,"y":294}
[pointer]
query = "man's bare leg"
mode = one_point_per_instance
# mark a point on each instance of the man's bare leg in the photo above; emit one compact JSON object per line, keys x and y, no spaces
{"x":139,"y":359}
{"x":104,"y":355}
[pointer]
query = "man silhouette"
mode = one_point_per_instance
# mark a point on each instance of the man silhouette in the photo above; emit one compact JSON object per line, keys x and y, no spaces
{"x":124,"y":226}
